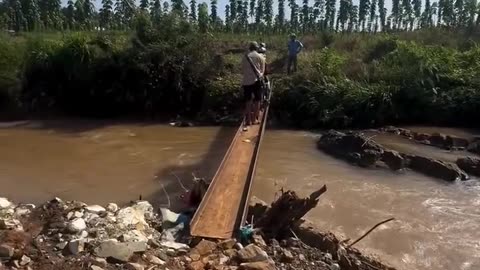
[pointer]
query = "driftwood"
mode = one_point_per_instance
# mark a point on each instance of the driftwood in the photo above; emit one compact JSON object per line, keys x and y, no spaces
{"x":369,"y":231}
{"x":286,"y":212}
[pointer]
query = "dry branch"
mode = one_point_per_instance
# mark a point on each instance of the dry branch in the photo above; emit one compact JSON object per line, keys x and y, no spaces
{"x":287,"y":211}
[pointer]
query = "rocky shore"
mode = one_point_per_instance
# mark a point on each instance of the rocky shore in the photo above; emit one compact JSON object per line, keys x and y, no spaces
{"x":73,"y":235}
{"x":357,"y":148}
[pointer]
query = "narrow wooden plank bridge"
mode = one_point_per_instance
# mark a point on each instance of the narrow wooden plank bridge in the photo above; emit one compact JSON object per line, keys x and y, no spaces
{"x":224,"y":207}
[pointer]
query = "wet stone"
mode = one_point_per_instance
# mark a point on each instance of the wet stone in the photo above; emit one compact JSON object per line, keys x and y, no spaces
{"x":252,"y":253}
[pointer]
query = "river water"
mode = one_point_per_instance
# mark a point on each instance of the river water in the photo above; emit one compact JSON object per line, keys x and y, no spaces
{"x":437,"y":223}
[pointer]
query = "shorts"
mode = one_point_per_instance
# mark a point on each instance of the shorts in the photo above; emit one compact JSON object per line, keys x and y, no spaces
{"x":252,"y":91}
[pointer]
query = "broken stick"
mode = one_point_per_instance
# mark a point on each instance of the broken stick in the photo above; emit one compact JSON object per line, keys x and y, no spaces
{"x":369,"y":231}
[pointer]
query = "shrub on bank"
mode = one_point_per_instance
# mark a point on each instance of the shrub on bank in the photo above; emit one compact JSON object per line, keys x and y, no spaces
{"x":346,"y":80}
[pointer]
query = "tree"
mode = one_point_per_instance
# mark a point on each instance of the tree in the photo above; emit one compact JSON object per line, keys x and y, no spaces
{"x":193,"y":10}
{"x":16,"y":18}
{"x":233,"y":11}
{"x":343,"y":14}
{"x":50,"y":13}
{"x":252,"y":8}
{"x":166,"y":7}
{"x":79,"y":13}
{"x":407,"y":16}
{"x":213,"y":12}
{"x":244,"y":16}
{"x":305,"y":15}
{"x":144,"y":4}
{"x":330,"y":11}
{"x":69,"y":15}
{"x":396,"y":13}
{"x":259,"y":13}
{"x":319,"y":12}
{"x":228,"y":20}
{"x":156,"y":11}
{"x":178,"y":7}
{"x":124,"y":13}
{"x":373,"y":11}
{"x":203,"y":18}
{"x":364,"y":6}
{"x":353,"y":18}
{"x":293,"y":15}
{"x":268,"y":10}
{"x":470,"y":10}
{"x":32,"y":14}
{"x":281,"y":14}
{"x":383,"y":13}
{"x":426,"y":20}
{"x":88,"y":10}
{"x":106,"y":14}
{"x":417,"y":10}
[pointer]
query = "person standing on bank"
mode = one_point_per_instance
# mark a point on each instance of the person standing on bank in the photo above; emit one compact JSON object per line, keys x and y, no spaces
{"x":294,"y":48}
{"x":253,"y":68}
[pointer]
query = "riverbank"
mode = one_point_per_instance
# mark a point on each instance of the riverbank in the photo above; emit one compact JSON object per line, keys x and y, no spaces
{"x":70,"y":234}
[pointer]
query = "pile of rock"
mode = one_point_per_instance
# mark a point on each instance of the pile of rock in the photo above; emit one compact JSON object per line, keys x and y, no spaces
{"x":440,"y":140}
{"x":73,"y":235}
{"x":364,"y":151}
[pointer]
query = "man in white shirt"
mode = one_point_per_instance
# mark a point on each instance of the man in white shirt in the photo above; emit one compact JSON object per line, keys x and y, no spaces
{"x":253,"y":67}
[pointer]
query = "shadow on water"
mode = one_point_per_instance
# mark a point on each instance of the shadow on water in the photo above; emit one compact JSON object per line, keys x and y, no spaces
{"x":205,"y":168}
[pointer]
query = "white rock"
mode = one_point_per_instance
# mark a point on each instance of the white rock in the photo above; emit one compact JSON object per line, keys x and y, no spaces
{"x":169,"y":216}
{"x":84,"y":234}
{"x":76,"y":246}
{"x":4,"y":203}
{"x":112,"y":207}
{"x":155,"y":260}
{"x":78,"y":214}
{"x":144,"y":207}
{"x":94,"y":267}
{"x":95,"y":209}
{"x":130,"y":216}
{"x":77,"y":225}
{"x":25,"y":260}
{"x":70,"y":215}
{"x":174,"y":245}
{"x":134,"y":236}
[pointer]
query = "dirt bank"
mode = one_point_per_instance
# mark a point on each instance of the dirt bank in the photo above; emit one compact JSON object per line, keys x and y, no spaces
{"x":72,"y":235}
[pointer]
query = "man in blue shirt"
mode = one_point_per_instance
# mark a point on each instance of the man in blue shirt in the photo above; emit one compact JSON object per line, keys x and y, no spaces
{"x":294,"y":48}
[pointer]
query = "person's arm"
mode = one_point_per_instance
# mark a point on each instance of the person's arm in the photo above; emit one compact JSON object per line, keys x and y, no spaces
{"x":262,"y":67}
{"x":300,"y":46}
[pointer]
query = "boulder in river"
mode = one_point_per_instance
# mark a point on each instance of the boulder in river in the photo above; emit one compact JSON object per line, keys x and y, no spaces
{"x":457,"y":142}
{"x":436,"y":168}
{"x":393,"y":159}
{"x":355,"y":147}
{"x":470,"y":165}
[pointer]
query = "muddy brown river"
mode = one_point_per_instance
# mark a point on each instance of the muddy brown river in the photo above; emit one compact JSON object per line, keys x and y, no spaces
{"x":437,"y":223}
